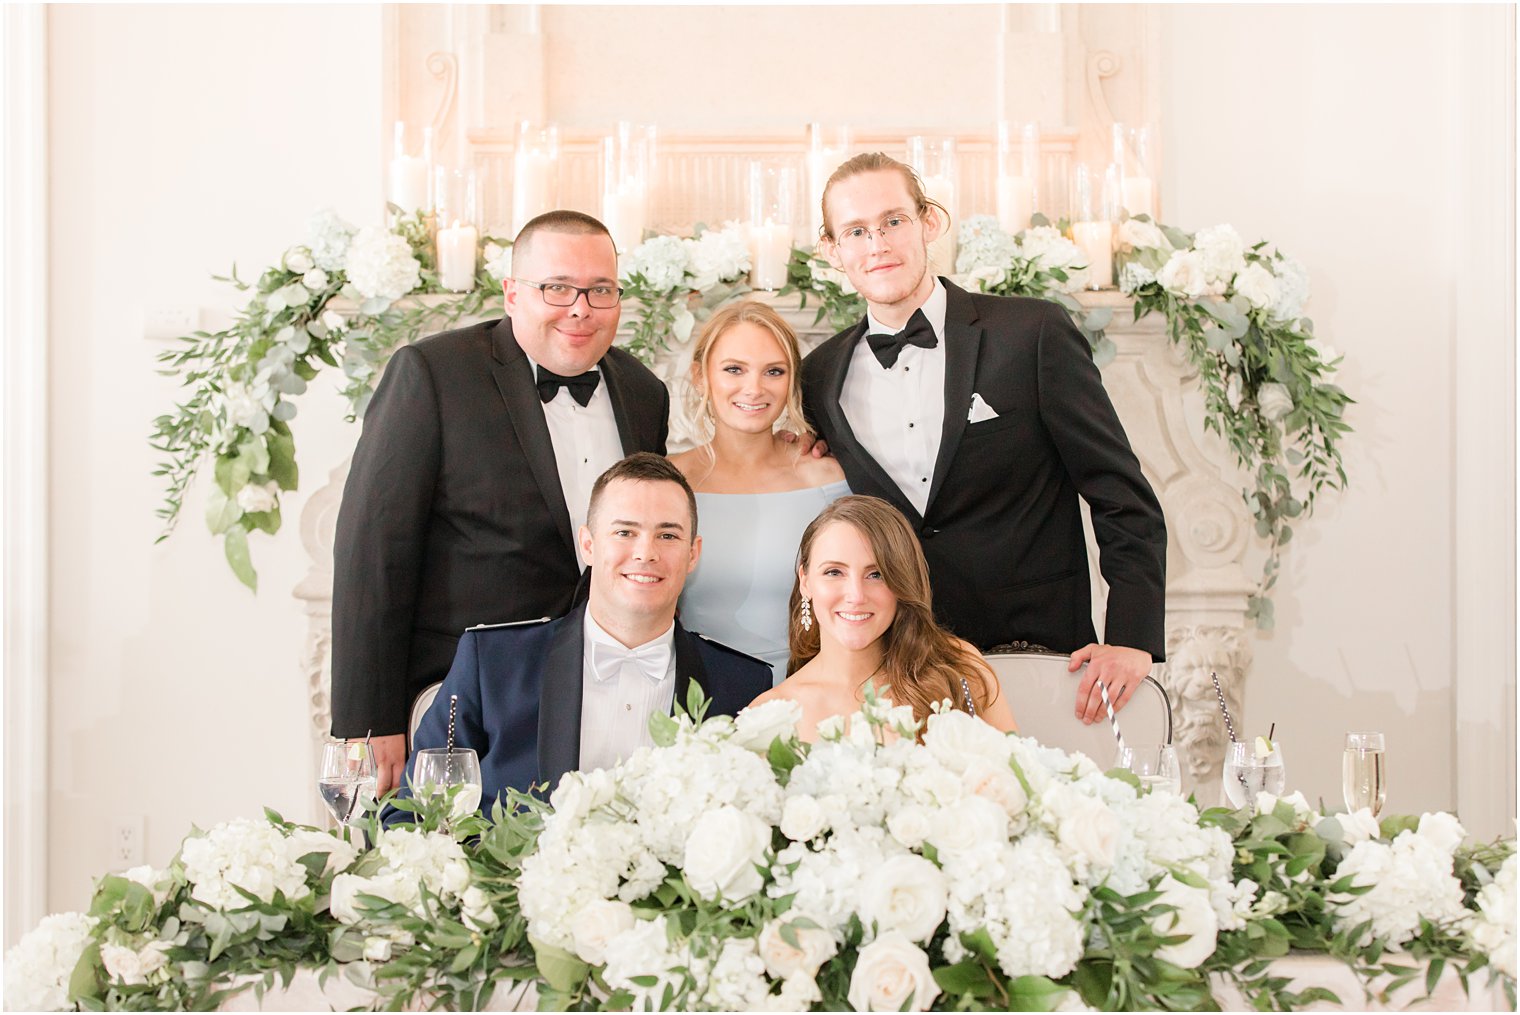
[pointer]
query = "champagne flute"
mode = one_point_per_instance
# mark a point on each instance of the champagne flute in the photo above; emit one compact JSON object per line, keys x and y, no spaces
{"x":1248,"y":771}
{"x":440,"y":769}
{"x":1155,"y":765}
{"x":1363,"y":780}
{"x":346,"y":779}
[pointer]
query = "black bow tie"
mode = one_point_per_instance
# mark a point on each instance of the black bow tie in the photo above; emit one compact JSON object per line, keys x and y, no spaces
{"x":918,"y":332}
{"x":581,"y":386}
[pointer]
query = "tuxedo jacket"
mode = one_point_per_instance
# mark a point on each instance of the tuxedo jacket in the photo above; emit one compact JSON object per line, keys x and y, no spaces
{"x":1002,"y":530}
{"x":519,"y":698}
{"x":453,"y":514}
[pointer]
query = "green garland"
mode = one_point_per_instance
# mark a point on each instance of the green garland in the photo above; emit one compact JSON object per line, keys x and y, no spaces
{"x":287,"y":333}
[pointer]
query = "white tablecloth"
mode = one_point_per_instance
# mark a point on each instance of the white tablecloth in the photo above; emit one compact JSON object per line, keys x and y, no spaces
{"x":1305,"y":970}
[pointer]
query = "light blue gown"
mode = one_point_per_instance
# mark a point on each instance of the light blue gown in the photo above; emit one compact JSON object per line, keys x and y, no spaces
{"x":739,"y":593}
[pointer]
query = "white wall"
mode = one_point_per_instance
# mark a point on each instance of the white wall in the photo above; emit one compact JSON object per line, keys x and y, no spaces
{"x":186,"y":138}
{"x":1337,"y":132}
{"x":183,"y":139}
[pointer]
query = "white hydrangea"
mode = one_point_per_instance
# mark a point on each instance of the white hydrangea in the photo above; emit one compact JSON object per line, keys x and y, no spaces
{"x":249,"y":405}
{"x":736,"y":981}
{"x":1133,"y":276}
{"x":38,"y":967}
{"x":1053,"y":250}
{"x":249,"y":854}
{"x":1493,"y":927}
{"x":644,"y":951}
{"x":1025,"y":897}
{"x":1184,"y":273}
{"x":1410,"y":878}
{"x":329,"y":237}
{"x":1222,"y":252}
{"x":1257,"y":285}
{"x":1292,"y":289}
{"x":412,"y":860}
{"x":381,"y":265}
{"x":718,"y":255}
{"x":662,"y":261}
{"x":982,"y":245}
{"x":1137,"y":234}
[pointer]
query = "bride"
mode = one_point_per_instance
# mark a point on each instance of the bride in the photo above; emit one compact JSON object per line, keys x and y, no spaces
{"x":861,"y":615}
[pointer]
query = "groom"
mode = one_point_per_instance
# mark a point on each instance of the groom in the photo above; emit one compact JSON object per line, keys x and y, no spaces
{"x":982,"y":418}
{"x":541,"y":699}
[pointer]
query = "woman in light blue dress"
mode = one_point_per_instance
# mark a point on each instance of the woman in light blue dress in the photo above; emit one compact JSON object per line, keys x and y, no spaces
{"x":756,"y":492}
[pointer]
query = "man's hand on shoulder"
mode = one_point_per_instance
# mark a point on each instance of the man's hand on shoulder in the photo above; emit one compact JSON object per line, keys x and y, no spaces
{"x":807,"y":444}
{"x":390,"y":761}
{"x":1121,"y":670}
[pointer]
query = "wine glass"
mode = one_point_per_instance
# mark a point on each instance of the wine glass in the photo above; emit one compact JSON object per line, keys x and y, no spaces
{"x":1155,"y":765}
{"x":1363,"y":780}
{"x":440,"y":769}
{"x":346,"y":779}
{"x":1248,"y":771}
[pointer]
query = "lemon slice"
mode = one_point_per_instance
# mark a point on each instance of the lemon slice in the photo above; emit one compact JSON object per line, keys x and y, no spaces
{"x":356,"y":751}
{"x":1264,"y":747}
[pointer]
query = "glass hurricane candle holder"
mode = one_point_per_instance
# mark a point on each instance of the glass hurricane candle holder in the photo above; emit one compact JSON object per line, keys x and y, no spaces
{"x":772,"y":212}
{"x":627,"y":179}
{"x":535,"y":172}
{"x":828,"y":148}
{"x":458,"y":236}
{"x":410,"y":175}
{"x":1093,"y":211}
{"x":1018,"y":173}
{"x":934,"y":160}
{"x":1133,"y":153}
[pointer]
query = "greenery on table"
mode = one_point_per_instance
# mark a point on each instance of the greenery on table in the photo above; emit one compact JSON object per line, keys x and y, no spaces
{"x":347,"y":298}
{"x":1169,"y":904}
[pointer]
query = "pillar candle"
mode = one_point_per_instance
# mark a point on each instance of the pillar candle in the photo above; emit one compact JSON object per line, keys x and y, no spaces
{"x":821,"y":165}
{"x":409,"y":183}
{"x":1138,"y":195}
{"x":770,"y":248}
{"x":1015,"y":203}
{"x":942,"y":250}
{"x":1097,"y":241}
{"x":456,"y":257}
{"x":533,"y":191}
{"x":623,"y":215}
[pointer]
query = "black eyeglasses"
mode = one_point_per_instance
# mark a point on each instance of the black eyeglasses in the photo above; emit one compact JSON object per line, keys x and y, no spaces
{"x":559,"y":294}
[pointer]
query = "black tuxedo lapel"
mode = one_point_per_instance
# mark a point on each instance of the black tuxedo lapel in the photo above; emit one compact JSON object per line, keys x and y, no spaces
{"x":612,"y":373}
{"x":845,"y":445}
{"x":514,"y":379}
{"x":559,"y":700}
{"x":689,"y":669}
{"x":963,"y":345}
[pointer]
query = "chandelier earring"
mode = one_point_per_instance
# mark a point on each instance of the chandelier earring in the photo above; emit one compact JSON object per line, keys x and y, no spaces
{"x":805,"y":614}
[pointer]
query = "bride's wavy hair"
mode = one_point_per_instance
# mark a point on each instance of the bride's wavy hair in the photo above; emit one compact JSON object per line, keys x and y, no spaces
{"x":923,"y":663}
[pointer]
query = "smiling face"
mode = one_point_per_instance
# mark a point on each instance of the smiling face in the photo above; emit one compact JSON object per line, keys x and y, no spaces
{"x":640,"y":546}
{"x":852,"y":604}
{"x":567,"y":340}
{"x":889,"y":273}
{"x":748,"y":378}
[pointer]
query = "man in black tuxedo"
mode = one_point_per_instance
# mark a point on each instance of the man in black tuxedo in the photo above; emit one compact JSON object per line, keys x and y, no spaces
{"x":538,"y":700}
{"x":473,"y":473}
{"x":982,"y":418}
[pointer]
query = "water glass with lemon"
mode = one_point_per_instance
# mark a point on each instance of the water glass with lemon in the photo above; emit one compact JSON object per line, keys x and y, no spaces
{"x":346,"y":779}
{"x":1252,"y":767}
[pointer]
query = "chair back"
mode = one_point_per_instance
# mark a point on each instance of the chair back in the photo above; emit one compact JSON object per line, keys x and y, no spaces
{"x":419,"y":709}
{"x":1043,"y":696}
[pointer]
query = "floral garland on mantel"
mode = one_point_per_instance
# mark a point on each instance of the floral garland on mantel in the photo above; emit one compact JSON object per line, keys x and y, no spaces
{"x":346,"y":298}
{"x":733,"y":868}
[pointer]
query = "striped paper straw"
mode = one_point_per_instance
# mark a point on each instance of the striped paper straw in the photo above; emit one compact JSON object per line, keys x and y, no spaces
{"x":1229,"y":724}
{"x":453,"y":711}
{"x":1112,"y":719}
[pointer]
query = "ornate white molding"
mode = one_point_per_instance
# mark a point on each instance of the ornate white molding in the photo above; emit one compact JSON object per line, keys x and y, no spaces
{"x":24,"y":594}
{"x":1208,"y":528}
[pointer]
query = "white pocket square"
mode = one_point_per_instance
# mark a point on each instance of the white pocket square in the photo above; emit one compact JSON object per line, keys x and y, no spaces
{"x":980,"y":410}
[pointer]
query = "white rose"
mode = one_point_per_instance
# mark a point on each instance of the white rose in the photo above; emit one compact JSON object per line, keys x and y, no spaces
{"x":954,"y":738}
{"x":968,"y":823}
{"x":579,"y":793}
{"x":1257,"y":285}
{"x":832,"y":728}
{"x":475,"y":906}
{"x":377,"y":949}
{"x":1136,"y":233}
{"x":910,"y":825}
{"x":153,"y":956}
{"x":1274,"y":401}
{"x":1089,"y":829}
{"x":298,"y":260}
{"x":757,"y":726}
{"x":259,"y":497}
{"x":1441,"y":829}
{"x":123,"y":964}
{"x":1183,"y":273}
{"x":997,"y":783}
{"x":1358,"y":826}
{"x":334,"y":321}
{"x":1194,"y":916}
{"x":908,"y":894}
{"x":985,"y":277}
{"x":315,"y":280}
{"x":1232,"y":392}
{"x":597,"y":923}
{"x":892,"y":974}
{"x":803,"y":818}
{"x":814,"y":947}
{"x":343,"y":900}
{"x":1222,"y":252}
{"x":721,"y":853}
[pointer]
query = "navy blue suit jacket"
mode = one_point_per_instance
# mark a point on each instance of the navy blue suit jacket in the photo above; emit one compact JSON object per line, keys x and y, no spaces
{"x":519,"y":689}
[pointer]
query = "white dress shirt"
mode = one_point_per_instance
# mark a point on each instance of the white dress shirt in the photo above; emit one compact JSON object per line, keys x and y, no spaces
{"x":620,"y":688}
{"x":586,"y":444}
{"x":898,"y":413}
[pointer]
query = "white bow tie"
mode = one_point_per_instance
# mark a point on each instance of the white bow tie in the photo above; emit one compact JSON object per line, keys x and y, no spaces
{"x":608,"y":661}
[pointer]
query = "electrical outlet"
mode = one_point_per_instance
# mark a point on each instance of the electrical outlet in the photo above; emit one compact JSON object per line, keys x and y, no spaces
{"x":126,"y":845}
{"x":163,"y":324}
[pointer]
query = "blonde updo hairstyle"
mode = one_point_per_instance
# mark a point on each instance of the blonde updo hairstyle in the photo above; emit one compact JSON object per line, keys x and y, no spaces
{"x":874,"y":162}
{"x":699,"y":395}
{"x":922,"y":662}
